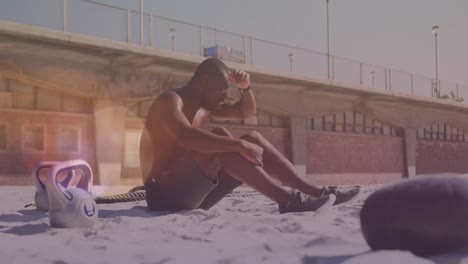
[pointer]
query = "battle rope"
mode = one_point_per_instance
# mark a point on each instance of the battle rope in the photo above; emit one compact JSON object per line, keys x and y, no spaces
{"x":135,"y":194}
{"x":138,"y":194}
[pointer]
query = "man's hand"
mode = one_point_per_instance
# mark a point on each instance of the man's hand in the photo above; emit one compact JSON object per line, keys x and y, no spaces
{"x":239,"y":78}
{"x":252,"y":152}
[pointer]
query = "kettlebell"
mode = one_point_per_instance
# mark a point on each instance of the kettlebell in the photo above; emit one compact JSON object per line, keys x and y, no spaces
{"x":41,"y":198}
{"x":72,"y":207}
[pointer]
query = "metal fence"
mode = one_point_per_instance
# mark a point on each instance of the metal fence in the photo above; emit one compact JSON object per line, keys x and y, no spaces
{"x":137,"y":27}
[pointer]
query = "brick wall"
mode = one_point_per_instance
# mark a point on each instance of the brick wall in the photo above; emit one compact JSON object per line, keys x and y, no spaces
{"x":441,"y":156}
{"x":18,"y":160}
{"x":350,"y":158}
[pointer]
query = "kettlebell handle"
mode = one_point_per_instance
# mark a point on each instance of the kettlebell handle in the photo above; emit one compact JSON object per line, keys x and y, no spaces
{"x":58,"y":195}
{"x":40,"y":185}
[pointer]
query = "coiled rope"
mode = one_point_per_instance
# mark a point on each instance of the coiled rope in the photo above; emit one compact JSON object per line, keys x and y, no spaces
{"x":135,"y":194}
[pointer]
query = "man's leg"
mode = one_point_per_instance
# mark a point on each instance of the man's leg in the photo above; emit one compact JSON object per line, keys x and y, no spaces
{"x":282,"y":169}
{"x":241,"y":169}
{"x":226,"y":183}
{"x":255,"y":176}
{"x":279,"y":166}
{"x":146,"y":154}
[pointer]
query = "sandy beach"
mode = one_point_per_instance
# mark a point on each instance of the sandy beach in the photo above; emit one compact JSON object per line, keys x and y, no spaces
{"x":243,"y":228}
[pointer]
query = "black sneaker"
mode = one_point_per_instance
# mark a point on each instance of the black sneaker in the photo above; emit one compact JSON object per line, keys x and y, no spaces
{"x":301,"y":202}
{"x":342,"y":196}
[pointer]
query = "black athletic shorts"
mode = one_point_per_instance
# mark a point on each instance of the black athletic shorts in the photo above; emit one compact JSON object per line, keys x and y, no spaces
{"x":185,"y":187}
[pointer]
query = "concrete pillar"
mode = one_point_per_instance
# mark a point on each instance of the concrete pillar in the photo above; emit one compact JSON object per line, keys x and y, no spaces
{"x":410,"y":142}
{"x":109,"y":127}
{"x":298,"y":132}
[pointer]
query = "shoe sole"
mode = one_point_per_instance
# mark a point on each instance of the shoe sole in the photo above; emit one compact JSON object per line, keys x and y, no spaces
{"x":326,"y":205}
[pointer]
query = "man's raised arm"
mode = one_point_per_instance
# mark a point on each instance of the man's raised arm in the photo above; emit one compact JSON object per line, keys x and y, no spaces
{"x":244,"y":108}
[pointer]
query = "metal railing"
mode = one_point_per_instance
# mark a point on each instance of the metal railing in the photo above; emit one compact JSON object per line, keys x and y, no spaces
{"x":102,"y":20}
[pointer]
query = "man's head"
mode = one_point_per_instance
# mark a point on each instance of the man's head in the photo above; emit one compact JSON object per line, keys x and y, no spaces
{"x":211,"y":76}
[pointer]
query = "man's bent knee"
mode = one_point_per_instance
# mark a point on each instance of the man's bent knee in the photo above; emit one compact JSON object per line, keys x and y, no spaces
{"x":253,"y":136}
{"x":221,"y":131}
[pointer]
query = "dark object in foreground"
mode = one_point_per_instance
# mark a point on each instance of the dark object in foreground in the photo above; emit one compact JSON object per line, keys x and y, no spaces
{"x":427,"y":215}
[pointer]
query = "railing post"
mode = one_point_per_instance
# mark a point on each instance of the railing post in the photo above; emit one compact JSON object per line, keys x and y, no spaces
{"x":457,"y":91}
{"x":141,"y":22}
{"x":129,"y":23}
{"x":65,"y":15}
{"x":215,"y":37}
{"x":243,"y":49}
{"x":251,"y":50}
{"x":386,"y":81}
{"x":433,"y":90}
{"x":439,"y":89}
{"x":201,"y":41}
{"x":332,"y":58}
{"x":412,"y":87}
{"x":360,"y":73}
{"x":389,"y":79}
{"x":151,"y":30}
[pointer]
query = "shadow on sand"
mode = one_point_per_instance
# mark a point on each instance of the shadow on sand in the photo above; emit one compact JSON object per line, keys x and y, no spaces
{"x":28,"y":229}
{"x":144,"y":212}
{"x":329,"y":259}
{"x":136,"y":211}
{"x":456,"y":257}
{"x":23,"y":216}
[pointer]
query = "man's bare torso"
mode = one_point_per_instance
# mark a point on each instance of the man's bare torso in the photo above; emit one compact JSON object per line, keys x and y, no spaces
{"x":164,"y":147}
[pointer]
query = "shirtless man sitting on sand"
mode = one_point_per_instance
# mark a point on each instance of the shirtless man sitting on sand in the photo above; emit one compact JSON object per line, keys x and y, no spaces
{"x":185,"y":167}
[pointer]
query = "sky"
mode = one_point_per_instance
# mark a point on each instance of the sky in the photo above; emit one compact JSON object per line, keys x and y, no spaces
{"x":391,"y":33}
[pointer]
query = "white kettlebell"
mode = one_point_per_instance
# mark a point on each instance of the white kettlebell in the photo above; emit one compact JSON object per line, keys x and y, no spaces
{"x":74,"y":207}
{"x":41,"y":198}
